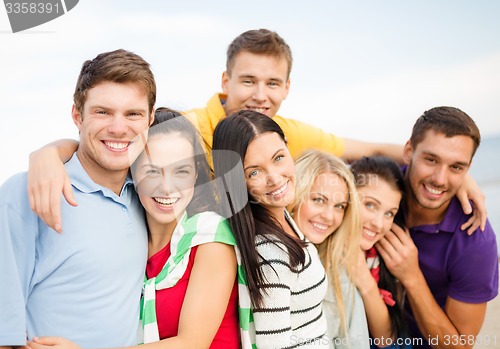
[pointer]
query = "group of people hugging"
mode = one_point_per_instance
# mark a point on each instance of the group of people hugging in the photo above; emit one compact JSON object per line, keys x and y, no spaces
{"x":232,"y":227}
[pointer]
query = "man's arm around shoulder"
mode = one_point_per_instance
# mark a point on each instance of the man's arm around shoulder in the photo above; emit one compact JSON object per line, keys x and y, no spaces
{"x":354,"y":149}
{"x":459,"y":323}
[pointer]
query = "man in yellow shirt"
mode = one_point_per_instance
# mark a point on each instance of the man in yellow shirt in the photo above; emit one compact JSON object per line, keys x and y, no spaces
{"x":257,"y":77}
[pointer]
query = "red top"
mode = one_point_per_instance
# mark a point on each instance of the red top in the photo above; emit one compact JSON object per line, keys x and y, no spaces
{"x":169,"y":303}
{"x":375,"y":271}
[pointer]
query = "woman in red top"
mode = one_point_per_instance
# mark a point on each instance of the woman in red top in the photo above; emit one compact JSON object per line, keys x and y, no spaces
{"x":172,"y":178}
{"x":201,"y":308}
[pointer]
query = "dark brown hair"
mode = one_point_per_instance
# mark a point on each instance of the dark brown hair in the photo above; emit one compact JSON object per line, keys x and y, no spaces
{"x":449,"y":121}
{"x":388,"y":170}
{"x":248,"y":219}
{"x":380,"y":166}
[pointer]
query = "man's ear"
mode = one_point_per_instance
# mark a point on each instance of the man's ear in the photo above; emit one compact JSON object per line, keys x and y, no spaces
{"x":225,"y":81}
{"x":407,"y":153}
{"x":287,"y":88}
{"x":152,"y":117}
{"x":77,"y":117}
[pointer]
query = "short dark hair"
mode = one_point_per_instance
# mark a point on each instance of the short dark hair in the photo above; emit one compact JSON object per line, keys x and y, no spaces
{"x":261,"y":41}
{"x":449,"y":121}
{"x":118,"y":66}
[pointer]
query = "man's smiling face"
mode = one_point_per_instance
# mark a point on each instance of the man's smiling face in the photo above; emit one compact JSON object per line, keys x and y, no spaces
{"x":256,"y":82}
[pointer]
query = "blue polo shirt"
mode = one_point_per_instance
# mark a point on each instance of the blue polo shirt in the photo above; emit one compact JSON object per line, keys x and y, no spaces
{"x":455,"y":264}
{"x":84,"y":284}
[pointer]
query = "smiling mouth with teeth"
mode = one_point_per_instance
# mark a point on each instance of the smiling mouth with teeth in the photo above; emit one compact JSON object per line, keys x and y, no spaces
{"x":166,"y":201}
{"x":278,"y":191}
{"x":116,"y":145}
{"x":258,"y":109}
{"x":433,"y":191}
{"x":319,"y":226}
{"x":369,"y":233}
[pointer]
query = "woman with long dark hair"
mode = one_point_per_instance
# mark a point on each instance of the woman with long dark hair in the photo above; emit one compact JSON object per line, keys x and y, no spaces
{"x":286,"y":281}
{"x":380,"y":186}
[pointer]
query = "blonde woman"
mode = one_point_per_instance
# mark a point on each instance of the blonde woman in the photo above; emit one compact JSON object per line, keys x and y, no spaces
{"x":327,"y":210}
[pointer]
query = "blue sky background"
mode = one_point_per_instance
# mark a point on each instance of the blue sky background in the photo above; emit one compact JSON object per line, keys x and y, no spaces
{"x":362,"y":69}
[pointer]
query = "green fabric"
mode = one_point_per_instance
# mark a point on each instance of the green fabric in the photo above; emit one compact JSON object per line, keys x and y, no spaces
{"x":199,"y":229}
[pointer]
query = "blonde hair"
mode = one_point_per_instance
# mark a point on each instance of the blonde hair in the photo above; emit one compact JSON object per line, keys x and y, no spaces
{"x":340,"y":249}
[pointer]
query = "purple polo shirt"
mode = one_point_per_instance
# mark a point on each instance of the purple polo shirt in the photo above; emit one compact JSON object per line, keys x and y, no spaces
{"x":455,"y":264}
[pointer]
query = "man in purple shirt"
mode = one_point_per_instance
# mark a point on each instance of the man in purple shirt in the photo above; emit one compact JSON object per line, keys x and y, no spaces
{"x":449,"y":276}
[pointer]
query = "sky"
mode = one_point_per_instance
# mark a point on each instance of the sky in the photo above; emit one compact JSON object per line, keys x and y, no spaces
{"x":362,"y":69}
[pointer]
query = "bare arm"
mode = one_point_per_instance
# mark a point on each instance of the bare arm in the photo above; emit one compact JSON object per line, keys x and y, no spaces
{"x":470,"y":191}
{"x":47,"y":179}
{"x":456,"y":327}
{"x":355,"y":149}
{"x":377,"y":315}
{"x":451,"y":328}
{"x":210,"y":285}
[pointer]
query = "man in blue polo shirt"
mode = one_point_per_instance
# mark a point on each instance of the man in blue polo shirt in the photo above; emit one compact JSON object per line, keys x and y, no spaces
{"x":89,"y":279}
{"x":449,"y":276}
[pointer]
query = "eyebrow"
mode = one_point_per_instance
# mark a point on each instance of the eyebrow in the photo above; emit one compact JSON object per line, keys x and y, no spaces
{"x":137,"y":110}
{"x":326,"y":198}
{"x":150,"y":165}
{"x":243,"y":76}
{"x":272,"y":157}
{"x":374,"y":199}
{"x":461,"y":163}
{"x":183,"y":166}
{"x":176,"y":167}
{"x":320,"y":194}
{"x":246,"y":76}
{"x":277,"y":79}
{"x":98,"y":106}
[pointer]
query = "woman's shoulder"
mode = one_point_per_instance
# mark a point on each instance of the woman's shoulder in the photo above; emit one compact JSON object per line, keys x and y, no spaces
{"x":210,"y":226}
{"x":271,"y":247}
{"x":206,"y":216}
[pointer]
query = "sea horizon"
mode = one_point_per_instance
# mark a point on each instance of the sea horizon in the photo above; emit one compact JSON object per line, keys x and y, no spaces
{"x":485,"y":169}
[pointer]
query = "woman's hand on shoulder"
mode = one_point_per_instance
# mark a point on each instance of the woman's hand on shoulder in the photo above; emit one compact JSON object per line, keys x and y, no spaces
{"x":364,"y":280}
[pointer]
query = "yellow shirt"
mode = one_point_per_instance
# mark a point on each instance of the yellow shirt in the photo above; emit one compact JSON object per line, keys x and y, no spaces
{"x":300,"y":136}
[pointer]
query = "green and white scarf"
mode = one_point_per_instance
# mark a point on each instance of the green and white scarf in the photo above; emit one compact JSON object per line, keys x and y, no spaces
{"x":199,"y":229}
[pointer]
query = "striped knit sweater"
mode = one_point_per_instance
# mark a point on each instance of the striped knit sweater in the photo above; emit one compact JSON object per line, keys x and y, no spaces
{"x":291,"y":315}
